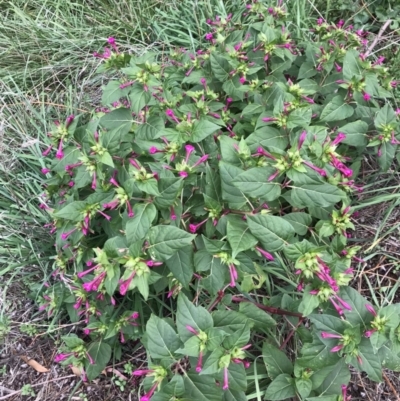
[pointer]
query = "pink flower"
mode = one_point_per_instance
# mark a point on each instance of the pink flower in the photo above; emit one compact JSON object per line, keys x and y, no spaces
{"x":149,"y":394}
{"x":183,"y":174}
{"x":61,"y":357}
{"x":242,"y":80}
{"x":302,"y":138}
{"x":338,"y":67}
{"x":199,"y":365}
{"x":69,"y":120}
{"x":201,"y":160}
{"x":340,"y":137}
{"x":189,"y":149}
{"x":370,"y":309}
{"x":194,"y":227}
{"x":124,"y":285}
{"x":152,"y":263}
{"x":154,"y":150}
{"x":192,"y":330}
{"x":111,"y":40}
{"x":208,"y":36}
{"x":233,"y":274}
{"x":369,"y":333}
{"x":324,"y":334}
{"x":129,"y":209}
{"x":83,"y":273}
{"x":94,"y":183}
{"x":320,"y":171}
{"x":226,"y":379}
{"x":64,"y":236}
{"x":172,"y":214}
{"x":95,"y":283}
{"x":45,"y":170}
{"x":266,"y":254}
{"x":47,"y":151}
{"x":337,"y":348}
{"x":142,"y":372}
{"x":269,"y":119}
{"x":60,"y":153}
{"x":366,"y":96}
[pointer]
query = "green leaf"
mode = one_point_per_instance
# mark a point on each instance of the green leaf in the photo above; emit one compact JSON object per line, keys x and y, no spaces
{"x":188,"y":314}
{"x":73,"y":211}
{"x":211,"y":365}
{"x":230,"y":193}
{"x":239,"y":236}
{"x":359,"y":313}
{"x":385,"y":116}
{"x":299,"y":118}
{"x":387,"y":155}
{"x":71,"y":155}
{"x":220,"y":67}
{"x":149,"y":186}
{"x":281,"y":388}
{"x":239,"y":338}
{"x":338,"y":375}
{"x":300,"y":221}
{"x":254,"y":183}
{"x":371,"y":363}
{"x":201,"y":388}
{"x":355,"y":133}
{"x":112,"y":92}
{"x":168,"y":189}
{"x":138,"y":98}
{"x":260,"y":318}
{"x":216,"y":278}
{"x":150,"y":129}
{"x":181,"y":265}
{"x":164,"y":241}
{"x":316,"y":195}
{"x":101,"y":354}
{"x":352,"y":65}
{"x":106,"y":158}
{"x":202,"y":129}
{"x":269,"y":138}
{"x":336,"y":110}
{"x":307,"y":70}
{"x":308,"y":303}
{"x":120,"y":119}
{"x":304,"y":387}
{"x":138,"y":226}
{"x":276,"y":361}
{"x":272,"y":231}
{"x":162,"y":340}
{"x":329,"y":323}
{"x":236,"y":377}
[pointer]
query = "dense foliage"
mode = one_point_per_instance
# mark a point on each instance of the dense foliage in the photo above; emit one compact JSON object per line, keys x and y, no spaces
{"x":205,"y":209}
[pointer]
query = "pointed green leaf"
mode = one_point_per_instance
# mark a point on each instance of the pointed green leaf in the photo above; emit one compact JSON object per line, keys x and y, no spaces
{"x":239,"y":236}
{"x":138,"y":226}
{"x":336,"y":110}
{"x":181,"y":265}
{"x":281,"y":388}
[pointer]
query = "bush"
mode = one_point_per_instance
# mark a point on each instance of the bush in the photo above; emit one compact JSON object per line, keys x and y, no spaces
{"x":205,"y":208}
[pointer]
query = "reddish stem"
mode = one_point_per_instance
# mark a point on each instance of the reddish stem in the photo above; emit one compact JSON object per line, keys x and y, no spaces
{"x":290,"y":335}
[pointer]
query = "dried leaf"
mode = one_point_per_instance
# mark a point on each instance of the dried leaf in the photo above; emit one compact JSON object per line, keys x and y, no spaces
{"x":116,"y":372}
{"x":35,"y":365}
{"x":76,"y":370}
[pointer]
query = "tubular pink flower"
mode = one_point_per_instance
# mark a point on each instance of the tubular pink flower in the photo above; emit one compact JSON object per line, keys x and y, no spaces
{"x":261,"y":151}
{"x":135,"y":315}
{"x":226,"y":379}
{"x":233,"y":274}
{"x":69,"y":120}
{"x":344,"y":393}
{"x":347,"y":172}
{"x":154,"y":150}
{"x":83,"y":273}
{"x":366,"y":96}
{"x":266,"y":254}
{"x":308,"y":99}
{"x":269,"y":119}
{"x":194,"y":227}
{"x":170,"y":113}
{"x":242,"y":80}
{"x":142,"y":372}
{"x":337,"y":348}
{"x":189,"y":149}
{"x":201,"y":160}
{"x":129,"y":208}
{"x":370,"y":309}
{"x":302,"y":138}
{"x":47,"y":151}
{"x":340,"y":137}
{"x":320,"y":171}
{"x":199,"y":365}
{"x":149,"y":394}
{"x":91,"y":361}
{"x":192,"y":330}
{"x":94,"y":184}
{"x":106,"y":216}
{"x":324,"y":334}
{"x":339,"y":310}
{"x":172,"y":213}
{"x":208,"y":36}
{"x":60,"y":153}
{"x":124,"y":285}
{"x":134,"y":163}
{"x":338,"y":67}
{"x":95,"y":283}
{"x":111,"y":205}
{"x":183,"y":174}
{"x":114,"y":182}
{"x":369,"y":333}
{"x":62,"y":357}
{"x":273,"y":176}
{"x":64,"y":236}
{"x":45,"y":170}
{"x":343,"y":303}
{"x":152,"y":263}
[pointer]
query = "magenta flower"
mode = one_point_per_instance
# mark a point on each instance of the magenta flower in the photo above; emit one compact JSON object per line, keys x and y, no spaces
{"x":111,"y":41}
{"x":142,"y":372}
{"x":129,"y":208}
{"x":94,"y":182}
{"x":338,"y":67}
{"x":269,"y":119}
{"x":366,"y":96}
{"x":266,"y":254}
{"x":69,"y":120}
{"x":302,"y":138}
{"x":324,"y":334}
{"x":189,"y":149}
{"x":149,"y":394}
{"x":337,"y":348}
{"x":242,"y":80}
{"x":344,"y":393}
{"x":83,"y":273}
{"x":183,"y":174}
{"x":320,"y":171}
{"x":199,"y":365}
{"x":62,"y":357}
{"x":59,"y":153}
{"x":124,"y":285}
{"x":170,"y":113}
{"x":369,"y":333}
{"x":233,"y":274}
{"x":226,"y":379}
{"x":273,"y":175}
{"x":208,"y":36}
{"x":370,"y":309}
{"x":194,"y":227}
{"x":64,"y":236}
{"x":152,"y":263}
{"x":134,"y":163}
{"x":192,"y":330}
{"x":47,"y":151}
{"x":172,"y":213}
{"x":201,"y":160}
{"x":95,"y":283}
{"x":262,"y":152}
{"x":340,"y":137}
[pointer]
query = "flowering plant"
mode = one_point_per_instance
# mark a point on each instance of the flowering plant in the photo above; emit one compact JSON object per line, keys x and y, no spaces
{"x":220,"y":184}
